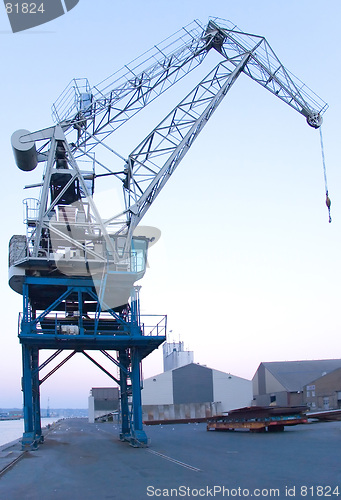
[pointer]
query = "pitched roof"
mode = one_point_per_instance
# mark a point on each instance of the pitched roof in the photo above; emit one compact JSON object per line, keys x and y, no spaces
{"x":326,"y":376}
{"x":293,"y":375}
{"x":198,"y":366}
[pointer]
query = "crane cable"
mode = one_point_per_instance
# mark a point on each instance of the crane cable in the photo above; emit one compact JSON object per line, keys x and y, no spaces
{"x":328,"y":202}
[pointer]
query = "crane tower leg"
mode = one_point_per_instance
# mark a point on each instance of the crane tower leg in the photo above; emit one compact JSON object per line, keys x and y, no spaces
{"x":28,"y":436}
{"x":36,"y":396}
{"x":124,"y":363}
{"x":139,"y":434}
{"x":30,"y":385}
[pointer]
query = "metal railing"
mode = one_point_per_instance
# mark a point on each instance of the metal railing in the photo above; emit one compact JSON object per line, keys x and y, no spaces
{"x":150,"y":328}
{"x":68,"y":103}
{"x":150,"y":65}
{"x":152,"y":325}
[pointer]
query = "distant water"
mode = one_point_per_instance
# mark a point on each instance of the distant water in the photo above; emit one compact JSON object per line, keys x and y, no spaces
{"x":13,"y":429}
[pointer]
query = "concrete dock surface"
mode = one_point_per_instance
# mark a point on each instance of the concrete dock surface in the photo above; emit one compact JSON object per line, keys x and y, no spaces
{"x":84,"y":461}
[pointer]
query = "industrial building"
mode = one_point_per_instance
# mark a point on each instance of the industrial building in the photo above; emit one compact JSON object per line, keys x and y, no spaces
{"x":192,"y":390}
{"x":185,"y":390}
{"x":289,"y":383}
{"x":324,"y":393}
{"x":102,"y":401}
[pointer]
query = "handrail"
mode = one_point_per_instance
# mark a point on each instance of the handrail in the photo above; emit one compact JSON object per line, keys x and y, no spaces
{"x":58,"y":323}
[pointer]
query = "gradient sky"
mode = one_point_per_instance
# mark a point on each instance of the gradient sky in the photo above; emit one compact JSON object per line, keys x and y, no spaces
{"x":247,"y":268}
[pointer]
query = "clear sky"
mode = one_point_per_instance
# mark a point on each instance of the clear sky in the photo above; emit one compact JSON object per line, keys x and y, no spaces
{"x":247,"y":268}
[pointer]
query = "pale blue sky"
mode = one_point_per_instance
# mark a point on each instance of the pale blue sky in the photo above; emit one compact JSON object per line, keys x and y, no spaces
{"x":247,"y":268}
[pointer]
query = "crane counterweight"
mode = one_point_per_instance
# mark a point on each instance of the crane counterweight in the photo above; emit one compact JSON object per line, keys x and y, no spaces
{"x":24,"y":150}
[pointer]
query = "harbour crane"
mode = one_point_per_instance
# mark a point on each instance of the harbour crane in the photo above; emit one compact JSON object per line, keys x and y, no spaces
{"x":76,"y":270}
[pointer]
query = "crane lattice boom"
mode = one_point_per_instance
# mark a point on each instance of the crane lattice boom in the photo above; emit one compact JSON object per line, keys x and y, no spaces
{"x":86,"y":117}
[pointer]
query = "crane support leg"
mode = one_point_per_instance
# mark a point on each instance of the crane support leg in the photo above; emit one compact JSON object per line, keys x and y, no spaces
{"x":30,"y":385}
{"x":36,"y":396}
{"x":131,"y":419}
{"x":139,"y":436}
{"x":125,"y":427}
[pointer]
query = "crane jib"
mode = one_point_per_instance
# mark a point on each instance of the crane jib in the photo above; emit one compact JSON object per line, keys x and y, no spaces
{"x":86,"y":123}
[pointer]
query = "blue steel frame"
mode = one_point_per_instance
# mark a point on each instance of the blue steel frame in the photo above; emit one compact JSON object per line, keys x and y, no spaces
{"x":41,"y":328}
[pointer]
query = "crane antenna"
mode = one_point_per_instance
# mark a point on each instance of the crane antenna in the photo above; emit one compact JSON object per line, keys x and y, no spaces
{"x":328,"y":202}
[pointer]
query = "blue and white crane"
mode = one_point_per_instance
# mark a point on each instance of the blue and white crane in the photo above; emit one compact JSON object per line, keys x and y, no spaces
{"x":76,"y":269}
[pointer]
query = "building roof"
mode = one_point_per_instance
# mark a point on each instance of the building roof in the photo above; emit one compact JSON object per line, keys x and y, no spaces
{"x":293,"y":375}
{"x":332,"y":373}
{"x":198,"y":366}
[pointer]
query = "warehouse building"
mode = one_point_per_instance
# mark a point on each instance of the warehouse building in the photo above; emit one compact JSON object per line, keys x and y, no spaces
{"x":193,"y":391}
{"x":103,"y":401}
{"x":285,"y":383}
{"x":324,"y":393}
